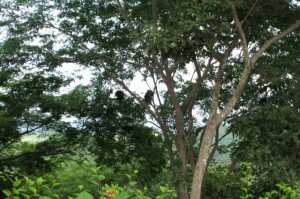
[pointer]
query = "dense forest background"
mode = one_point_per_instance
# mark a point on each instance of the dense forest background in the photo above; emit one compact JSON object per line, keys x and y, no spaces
{"x":186,"y":99}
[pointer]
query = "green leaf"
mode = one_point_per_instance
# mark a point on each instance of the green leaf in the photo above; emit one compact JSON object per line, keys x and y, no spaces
{"x":84,"y":195}
{"x":17,"y":183}
{"x":55,"y":195}
{"x":80,"y":187}
{"x":33,"y":189}
{"x":128,"y":176}
{"x":6,"y":192}
{"x":133,"y":183}
{"x":40,"y":180}
{"x":94,"y":182}
{"x":101,"y":177}
{"x":123,"y":195}
{"x":26,"y":195}
{"x":56,"y":184}
{"x":163,"y":189}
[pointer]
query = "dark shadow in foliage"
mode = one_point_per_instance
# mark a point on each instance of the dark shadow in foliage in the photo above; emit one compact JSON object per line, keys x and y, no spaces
{"x":138,"y":146}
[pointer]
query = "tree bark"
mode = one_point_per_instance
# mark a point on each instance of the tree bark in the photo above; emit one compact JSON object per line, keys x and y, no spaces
{"x":203,"y":157}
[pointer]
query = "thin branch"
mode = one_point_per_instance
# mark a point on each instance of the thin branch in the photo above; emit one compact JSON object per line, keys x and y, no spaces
{"x":249,"y":12}
{"x":155,"y":88}
{"x":192,"y":95}
{"x":142,"y":103}
{"x":220,"y":75}
{"x":153,"y":123}
{"x":51,"y":151}
{"x":217,"y":88}
{"x":124,"y":14}
{"x":231,"y":167}
{"x":241,"y":34}
{"x":221,"y":138}
{"x":274,"y":39}
{"x":6,"y":145}
{"x":145,"y":79}
{"x":28,"y":131}
{"x":157,"y":64}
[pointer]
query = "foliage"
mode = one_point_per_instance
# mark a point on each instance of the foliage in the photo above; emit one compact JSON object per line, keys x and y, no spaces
{"x":114,"y":131}
{"x":267,"y":127}
{"x":102,"y":182}
{"x":218,"y":184}
{"x":184,"y":52}
{"x":282,"y":190}
{"x":50,"y":187}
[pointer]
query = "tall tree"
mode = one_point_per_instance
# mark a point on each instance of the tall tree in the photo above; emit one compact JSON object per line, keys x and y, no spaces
{"x":186,"y":51}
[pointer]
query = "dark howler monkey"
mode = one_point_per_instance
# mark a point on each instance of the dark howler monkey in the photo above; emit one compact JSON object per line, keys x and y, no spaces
{"x":148,"y":96}
{"x":119,"y":95}
{"x":263,"y":101}
{"x":110,"y":112}
{"x":127,"y":129}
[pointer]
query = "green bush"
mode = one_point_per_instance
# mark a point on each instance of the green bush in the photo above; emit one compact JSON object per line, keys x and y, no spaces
{"x":282,"y":191}
{"x":90,"y":185}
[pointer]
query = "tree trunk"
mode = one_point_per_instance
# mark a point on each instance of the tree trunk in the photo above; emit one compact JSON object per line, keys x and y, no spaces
{"x":203,"y":157}
{"x":181,"y":178}
{"x":182,"y":194}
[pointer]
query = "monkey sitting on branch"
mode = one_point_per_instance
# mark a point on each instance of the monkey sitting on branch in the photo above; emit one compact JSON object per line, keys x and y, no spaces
{"x":148,"y":96}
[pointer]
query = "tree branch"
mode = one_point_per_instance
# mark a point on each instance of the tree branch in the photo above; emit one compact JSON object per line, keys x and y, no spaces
{"x":215,"y":147}
{"x":274,"y":39}
{"x":241,"y":34}
{"x":168,"y":7}
{"x":124,"y":14}
{"x":247,"y":69}
{"x":192,"y":95}
{"x":249,"y":12}
{"x":220,"y":76}
{"x":49,"y":151}
{"x":142,"y":103}
{"x":154,"y":13}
